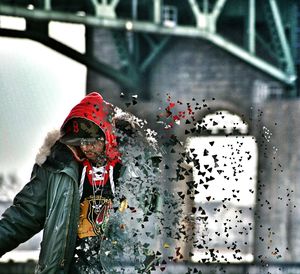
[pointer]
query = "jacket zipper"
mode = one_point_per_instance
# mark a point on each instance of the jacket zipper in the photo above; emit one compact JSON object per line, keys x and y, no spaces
{"x":62,"y":264}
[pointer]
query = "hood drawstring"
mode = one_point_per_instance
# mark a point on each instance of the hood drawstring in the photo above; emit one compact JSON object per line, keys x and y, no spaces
{"x":108,"y":171}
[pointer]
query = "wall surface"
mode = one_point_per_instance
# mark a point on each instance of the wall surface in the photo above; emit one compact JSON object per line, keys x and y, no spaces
{"x":194,"y":71}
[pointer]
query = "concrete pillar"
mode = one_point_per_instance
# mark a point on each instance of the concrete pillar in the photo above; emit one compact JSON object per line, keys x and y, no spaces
{"x":100,"y":45}
{"x":277,"y":220}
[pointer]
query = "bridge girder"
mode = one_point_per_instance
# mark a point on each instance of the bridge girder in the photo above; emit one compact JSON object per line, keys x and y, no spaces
{"x":207,"y":17}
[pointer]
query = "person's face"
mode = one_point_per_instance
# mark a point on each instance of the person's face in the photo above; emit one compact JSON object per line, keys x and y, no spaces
{"x":93,"y":148}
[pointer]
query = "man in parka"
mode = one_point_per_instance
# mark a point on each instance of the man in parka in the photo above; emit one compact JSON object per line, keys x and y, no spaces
{"x":70,"y":194}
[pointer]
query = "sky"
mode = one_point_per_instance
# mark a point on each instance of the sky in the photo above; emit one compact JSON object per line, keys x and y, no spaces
{"x":38,"y":88}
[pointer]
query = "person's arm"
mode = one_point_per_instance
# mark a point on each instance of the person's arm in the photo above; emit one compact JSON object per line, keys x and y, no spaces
{"x":26,"y":216}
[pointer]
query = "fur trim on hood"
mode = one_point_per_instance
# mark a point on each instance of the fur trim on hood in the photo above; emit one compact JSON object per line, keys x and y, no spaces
{"x":45,"y":150}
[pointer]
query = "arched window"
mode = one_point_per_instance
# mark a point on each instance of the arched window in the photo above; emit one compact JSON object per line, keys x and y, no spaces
{"x":224,"y":174}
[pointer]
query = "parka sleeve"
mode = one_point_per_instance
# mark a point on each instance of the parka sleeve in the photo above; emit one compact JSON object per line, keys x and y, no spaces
{"x":26,"y":216}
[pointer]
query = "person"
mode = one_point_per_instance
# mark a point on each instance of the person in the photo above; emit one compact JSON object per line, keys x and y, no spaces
{"x":74,"y":192}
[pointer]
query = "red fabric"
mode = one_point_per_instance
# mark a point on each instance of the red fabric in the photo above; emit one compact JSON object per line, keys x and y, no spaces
{"x":89,"y":174}
{"x":93,"y":108}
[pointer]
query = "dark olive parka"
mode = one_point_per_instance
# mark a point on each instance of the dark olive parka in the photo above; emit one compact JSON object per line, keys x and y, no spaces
{"x":50,"y":201}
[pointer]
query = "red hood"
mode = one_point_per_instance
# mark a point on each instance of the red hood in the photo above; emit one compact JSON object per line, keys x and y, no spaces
{"x":95,"y":109}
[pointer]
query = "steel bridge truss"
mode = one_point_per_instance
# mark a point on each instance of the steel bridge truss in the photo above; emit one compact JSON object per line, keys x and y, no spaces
{"x":156,"y":31}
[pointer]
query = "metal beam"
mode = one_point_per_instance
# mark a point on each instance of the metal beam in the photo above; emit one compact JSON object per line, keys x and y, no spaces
{"x":282,"y":36}
{"x":157,"y":11}
{"x":47,"y":4}
{"x":104,"y":8}
{"x":114,"y":3}
{"x":266,"y":46}
{"x":217,"y":9}
{"x":195,"y":7}
{"x":149,"y":27}
{"x":202,"y":19}
{"x":214,"y":15}
{"x":251,"y":27}
{"x":128,"y":64}
{"x":251,"y":59}
{"x":154,"y":53}
{"x":205,"y":7}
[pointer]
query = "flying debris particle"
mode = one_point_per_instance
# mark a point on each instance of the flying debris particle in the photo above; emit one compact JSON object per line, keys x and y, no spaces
{"x":166,"y":245}
{"x":206,"y":152}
